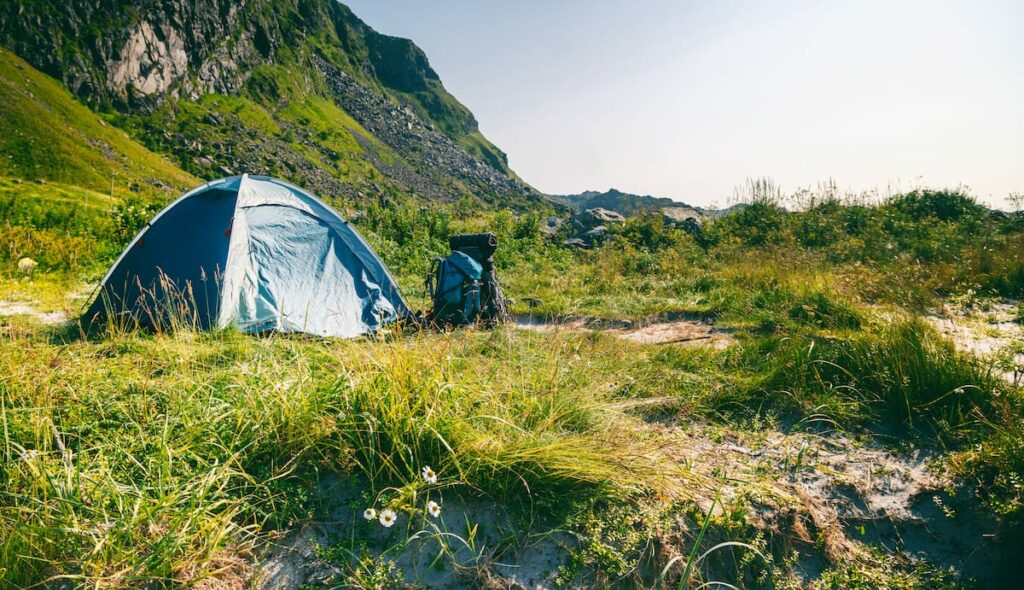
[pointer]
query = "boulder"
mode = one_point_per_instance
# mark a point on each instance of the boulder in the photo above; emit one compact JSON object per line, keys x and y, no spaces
{"x":551,"y":226}
{"x":680,"y":215}
{"x":597,"y":234}
{"x":685,"y":218}
{"x":576,"y":243}
{"x":592,"y":218}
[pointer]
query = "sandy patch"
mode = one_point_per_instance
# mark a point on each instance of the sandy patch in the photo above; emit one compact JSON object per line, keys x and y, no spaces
{"x":24,"y":308}
{"x":991,"y":334}
{"x":473,"y":544}
{"x":683,"y":331}
{"x":832,"y":496}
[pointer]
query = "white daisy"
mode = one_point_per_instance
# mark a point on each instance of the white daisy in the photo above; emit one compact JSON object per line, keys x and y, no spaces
{"x":433,"y":509}
{"x":428,"y":475}
{"x":29,"y":454}
{"x":388,"y":518}
{"x":370,"y":514}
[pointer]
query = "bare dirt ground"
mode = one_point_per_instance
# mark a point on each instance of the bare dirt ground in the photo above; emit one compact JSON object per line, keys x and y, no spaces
{"x":669,"y":329}
{"x":28,"y":308}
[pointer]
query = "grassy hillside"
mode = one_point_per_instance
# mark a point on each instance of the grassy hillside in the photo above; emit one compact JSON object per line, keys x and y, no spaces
{"x":300,"y":89}
{"x":45,"y":133}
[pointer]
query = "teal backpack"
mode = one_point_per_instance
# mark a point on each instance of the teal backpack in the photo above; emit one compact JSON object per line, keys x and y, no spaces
{"x":454,"y":285}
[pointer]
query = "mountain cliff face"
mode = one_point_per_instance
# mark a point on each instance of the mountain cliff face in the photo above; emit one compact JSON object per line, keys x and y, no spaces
{"x":300,"y":89}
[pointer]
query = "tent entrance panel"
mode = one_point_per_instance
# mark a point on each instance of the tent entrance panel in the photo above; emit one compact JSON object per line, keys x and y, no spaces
{"x":172,"y":272}
{"x":309,"y":280}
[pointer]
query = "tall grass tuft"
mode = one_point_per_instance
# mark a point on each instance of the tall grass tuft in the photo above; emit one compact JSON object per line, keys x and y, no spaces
{"x":152,"y":458}
{"x":904,"y":373}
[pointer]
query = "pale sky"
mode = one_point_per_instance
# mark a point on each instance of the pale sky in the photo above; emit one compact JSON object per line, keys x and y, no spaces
{"x":687,"y":99}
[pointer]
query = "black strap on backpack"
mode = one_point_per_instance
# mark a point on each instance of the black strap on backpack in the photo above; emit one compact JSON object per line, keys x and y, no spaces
{"x":430,"y":283}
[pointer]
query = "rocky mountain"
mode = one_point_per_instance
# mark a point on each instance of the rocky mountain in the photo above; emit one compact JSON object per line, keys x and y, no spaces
{"x":300,"y":89}
{"x":630,"y":204}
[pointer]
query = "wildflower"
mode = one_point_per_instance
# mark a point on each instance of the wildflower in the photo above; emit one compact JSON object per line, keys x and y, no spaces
{"x":29,"y":454}
{"x":433,"y":509}
{"x":428,"y":475}
{"x":388,"y":518}
{"x":370,"y":514}
{"x":27,"y":265}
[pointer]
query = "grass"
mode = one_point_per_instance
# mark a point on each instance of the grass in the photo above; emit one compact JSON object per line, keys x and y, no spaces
{"x":179,"y":446}
{"x":136,"y":459}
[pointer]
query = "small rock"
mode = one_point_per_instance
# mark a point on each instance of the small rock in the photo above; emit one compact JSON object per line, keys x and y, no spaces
{"x":532,"y":302}
{"x":26,"y":265}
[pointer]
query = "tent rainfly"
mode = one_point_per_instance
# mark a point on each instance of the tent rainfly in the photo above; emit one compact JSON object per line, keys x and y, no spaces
{"x":255,"y":253}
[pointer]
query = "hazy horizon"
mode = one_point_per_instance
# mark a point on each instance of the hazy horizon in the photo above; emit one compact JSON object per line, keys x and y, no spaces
{"x":688,"y":100}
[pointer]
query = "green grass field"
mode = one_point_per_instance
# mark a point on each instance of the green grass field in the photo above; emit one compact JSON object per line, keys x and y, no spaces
{"x":142,"y":459}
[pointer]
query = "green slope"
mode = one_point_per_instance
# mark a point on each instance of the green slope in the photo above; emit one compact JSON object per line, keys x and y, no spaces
{"x":46,"y":134}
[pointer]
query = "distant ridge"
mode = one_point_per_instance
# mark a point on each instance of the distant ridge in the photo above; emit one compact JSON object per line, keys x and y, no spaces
{"x":629,"y":204}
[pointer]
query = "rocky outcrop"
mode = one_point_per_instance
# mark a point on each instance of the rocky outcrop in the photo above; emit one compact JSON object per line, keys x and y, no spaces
{"x":686,"y":218}
{"x":150,"y":62}
{"x":630,"y":205}
{"x":591,"y":218}
{"x":436,"y":156}
{"x":590,"y":227}
{"x":131,"y":55}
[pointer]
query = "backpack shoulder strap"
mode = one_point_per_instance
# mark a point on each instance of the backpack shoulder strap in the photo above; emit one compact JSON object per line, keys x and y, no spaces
{"x":431,"y":282}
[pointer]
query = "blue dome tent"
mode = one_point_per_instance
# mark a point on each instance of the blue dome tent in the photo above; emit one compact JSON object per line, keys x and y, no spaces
{"x":255,"y":253}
